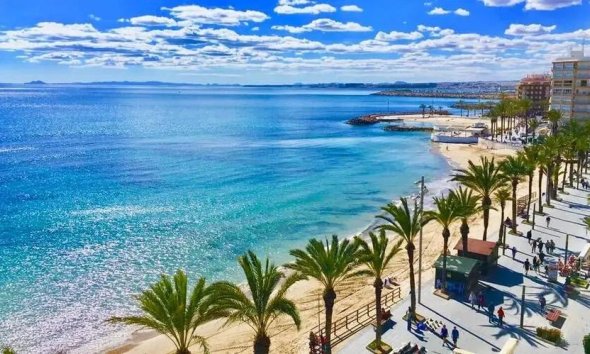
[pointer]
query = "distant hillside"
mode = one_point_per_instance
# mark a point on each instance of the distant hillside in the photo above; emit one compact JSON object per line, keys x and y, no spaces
{"x":36,"y":82}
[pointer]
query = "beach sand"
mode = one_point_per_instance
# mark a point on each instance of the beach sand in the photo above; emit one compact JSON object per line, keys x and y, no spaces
{"x":440,"y":120}
{"x":351,"y":295}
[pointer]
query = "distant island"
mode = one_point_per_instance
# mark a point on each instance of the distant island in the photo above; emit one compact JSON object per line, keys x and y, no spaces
{"x":36,"y":82}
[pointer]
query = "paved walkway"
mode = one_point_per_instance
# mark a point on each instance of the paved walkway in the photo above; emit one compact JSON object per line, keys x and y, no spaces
{"x":503,"y":286}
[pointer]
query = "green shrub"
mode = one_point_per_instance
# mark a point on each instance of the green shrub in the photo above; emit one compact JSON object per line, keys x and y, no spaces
{"x":551,"y":334}
{"x":586,"y":343}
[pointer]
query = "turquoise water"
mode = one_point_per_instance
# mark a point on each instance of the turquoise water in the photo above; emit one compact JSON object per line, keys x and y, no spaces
{"x":104,"y":188}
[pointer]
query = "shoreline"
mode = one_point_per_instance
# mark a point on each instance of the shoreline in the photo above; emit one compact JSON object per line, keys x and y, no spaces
{"x":237,"y":338}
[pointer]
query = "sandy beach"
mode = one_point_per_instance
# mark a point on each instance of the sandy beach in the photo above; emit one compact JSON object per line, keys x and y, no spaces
{"x":440,"y":120}
{"x":353,"y":294}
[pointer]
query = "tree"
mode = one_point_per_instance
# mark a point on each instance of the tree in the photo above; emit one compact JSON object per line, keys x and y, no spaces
{"x":514,"y":168}
{"x":405,"y":223}
{"x":484,"y":179}
{"x":530,"y":156}
{"x":423,"y":108}
{"x":330,"y":264}
{"x":445,"y":214}
{"x":263,"y":303}
{"x":554,"y":116}
{"x":431,"y":109}
{"x":526,"y":105}
{"x":501,"y":197}
{"x":376,"y":259}
{"x":170,"y":309}
{"x":533,"y":125}
{"x":467,"y":205}
{"x":461,"y":105}
{"x":7,"y":350}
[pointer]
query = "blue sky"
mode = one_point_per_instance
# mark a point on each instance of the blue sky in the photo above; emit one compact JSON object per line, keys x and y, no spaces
{"x":285,"y":41}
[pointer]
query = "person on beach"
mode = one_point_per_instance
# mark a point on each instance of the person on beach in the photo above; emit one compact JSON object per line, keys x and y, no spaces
{"x":500,"y":316}
{"x":444,"y":334}
{"x":455,"y":336}
{"x":548,"y":220}
{"x":472,"y":298}
{"x":529,"y":235}
{"x":491,"y":313}
{"x":513,"y":252}
{"x":527,"y":266}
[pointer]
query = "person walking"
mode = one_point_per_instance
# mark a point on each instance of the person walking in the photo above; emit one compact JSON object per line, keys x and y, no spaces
{"x":536,"y":264}
{"x":540,"y":245}
{"x":534,"y":245}
{"x":548,"y":220}
{"x":541,"y":258}
{"x":409,"y":319}
{"x":480,"y":300}
{"x":500,"y":316}
{"x":491,"y":313}
{"x":472,"y":298}
{"x":542,"y":302}
{"x":513,"y":252}
{"x":455,"y":336}
{"x":444,"y":334}
{"x":529,"y":236}
{"x":527,"y":266}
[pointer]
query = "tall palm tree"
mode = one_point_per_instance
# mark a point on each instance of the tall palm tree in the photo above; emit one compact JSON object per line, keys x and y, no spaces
{"x":330,"y":264}
{"x":533,"y":125}
{"x":445,"y":214}
{"x":460,"y":105}
{"x":174,"y":310}
{"x":376,"y":258}
{"x":554,"y":116}
{"x":514,"y":168}
{"x":423,"y":108}
{"x":468,"y":205}
{"x":264,"y":301}
{"x":405,"y":223}
{"x":484,"y":179}
{"x":526,"y":105}
{"x":431,"y":109}
{"x":530,"y":156}
{"x":501,"y":196}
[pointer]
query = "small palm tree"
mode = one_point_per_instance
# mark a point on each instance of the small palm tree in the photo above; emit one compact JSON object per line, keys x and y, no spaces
{"x":554,"y":116}
{"x":514,"y":168}
{"x":405,"y":223}
{"x":501,"y":197}
{"x":174,"y":311}
{"x":468,"y":205}
{"x":376,"y":259}
{"x":264,"y":301}
{"x":484,"y":179}
{"x":330,"y":264}
{"x":445,"y":214}
{"x":423,"y":108}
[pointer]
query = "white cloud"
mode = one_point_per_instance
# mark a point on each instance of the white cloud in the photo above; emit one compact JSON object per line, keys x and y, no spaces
{"x":461,"y":12}
{"x":325,"y":25}
{"x":201,"y":15}
{"x":395,"y":36}
{"x":313,"y":9}
{"x":255,"y":29}
{"x":351,"y":8}
{"x":528,"y":30}
{"x":439,"y":11}
{"x":546,"y":5}
{"x":149,"y":20}
{"x":94,"y":18}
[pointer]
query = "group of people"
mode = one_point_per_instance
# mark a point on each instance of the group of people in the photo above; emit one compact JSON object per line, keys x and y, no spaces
{"x":444,"y":332}
{"x":479,"y":300}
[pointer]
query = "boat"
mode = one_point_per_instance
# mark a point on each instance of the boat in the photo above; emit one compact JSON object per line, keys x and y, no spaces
{"x":450,"y":135}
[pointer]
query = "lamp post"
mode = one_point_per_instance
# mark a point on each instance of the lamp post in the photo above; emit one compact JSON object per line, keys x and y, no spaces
{"x":422,"y":190}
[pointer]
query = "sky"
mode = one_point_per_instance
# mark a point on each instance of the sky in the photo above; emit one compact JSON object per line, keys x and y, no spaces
{"x":285,"y":41}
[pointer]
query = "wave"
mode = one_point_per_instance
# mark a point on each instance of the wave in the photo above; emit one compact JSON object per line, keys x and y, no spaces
{"x":4,"y":150}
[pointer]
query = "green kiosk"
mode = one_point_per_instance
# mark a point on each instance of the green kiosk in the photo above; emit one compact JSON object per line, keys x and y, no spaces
{"x":462,"y":274}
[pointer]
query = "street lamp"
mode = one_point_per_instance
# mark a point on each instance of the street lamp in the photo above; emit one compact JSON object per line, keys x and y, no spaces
{"x":422,"y":191}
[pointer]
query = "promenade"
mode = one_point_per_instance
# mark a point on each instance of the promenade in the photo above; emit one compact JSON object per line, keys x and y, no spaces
{"x":504,"y":286}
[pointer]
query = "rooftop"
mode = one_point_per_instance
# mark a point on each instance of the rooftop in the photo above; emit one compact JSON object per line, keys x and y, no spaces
{"x":476,"y":246}
{"x":458,"y":264}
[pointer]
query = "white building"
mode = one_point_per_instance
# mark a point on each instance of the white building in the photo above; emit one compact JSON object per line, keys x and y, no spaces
{"x":570,"y":86}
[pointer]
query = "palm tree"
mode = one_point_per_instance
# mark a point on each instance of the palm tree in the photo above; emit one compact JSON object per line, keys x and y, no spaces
{"x":423,"y":108}
{"x":484,"y":179}
{"x":526,"y":105}
{"x":405,"y":223}
{"x":534,"y":124}
{"x":264,"y":301}
{"x":330,"y":264}
{"x":554,"y":116}
{"x":445,"y":214}
{"x":514,"y":168}
{"x":376,"y":259}
{"x":169,"y":308}
{"x":431,"y":109}
{"x":501,"y":197}
{"x":8,"y":350}
{"x":530,"y":156}
{"x":468,"y":205}
{"x":460,"y":105}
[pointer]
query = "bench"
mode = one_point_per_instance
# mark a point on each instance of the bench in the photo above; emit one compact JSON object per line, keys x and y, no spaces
{"x":385,"y":316}
{"x":553,"y":315}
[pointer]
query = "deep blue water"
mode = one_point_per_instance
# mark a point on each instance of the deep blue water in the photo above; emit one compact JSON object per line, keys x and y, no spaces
{"x":104,"y":188}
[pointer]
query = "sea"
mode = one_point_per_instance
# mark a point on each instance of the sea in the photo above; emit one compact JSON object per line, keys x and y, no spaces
{"x":104,"y":188}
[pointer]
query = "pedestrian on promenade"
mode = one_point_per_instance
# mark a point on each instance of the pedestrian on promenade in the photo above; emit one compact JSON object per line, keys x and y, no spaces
{"x":472,"y":298}
{"x":409,"y":319}
{"x":529,"y":235}
{"x":527,"y":266}
{"x":552,"y":246}
{"x":541,"y":258}
{"x":480,"y":301}
{"x":548,"y":220}
{"x":534,"y":245}
{"x":491,"y":313}
{"x":540,"y":245}
{"x":542,"y":302}
{"x":455,"y":336}
{"x":513,"y":252}
{"x":535,"y":264}
{"x":500,"y":316}
{"x":444,"y":334}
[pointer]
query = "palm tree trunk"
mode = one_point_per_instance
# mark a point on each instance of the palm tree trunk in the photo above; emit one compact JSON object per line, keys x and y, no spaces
{"x":549,"y":188}
{"x":555,"y":184}
{"x":540,"y":190}
{"x":410,"y":249}
{"x":329,"y":299}
{"x":514,"y":185}
{"x":464,"y":234}
{"x":564,"y":176}
{"x":261,"y":344}
{"x":486,"y":204}
{"x":378,"y":284}
{"x":528,"y":206}
{"x":501,"y":238}
{"x":446,"y":234}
